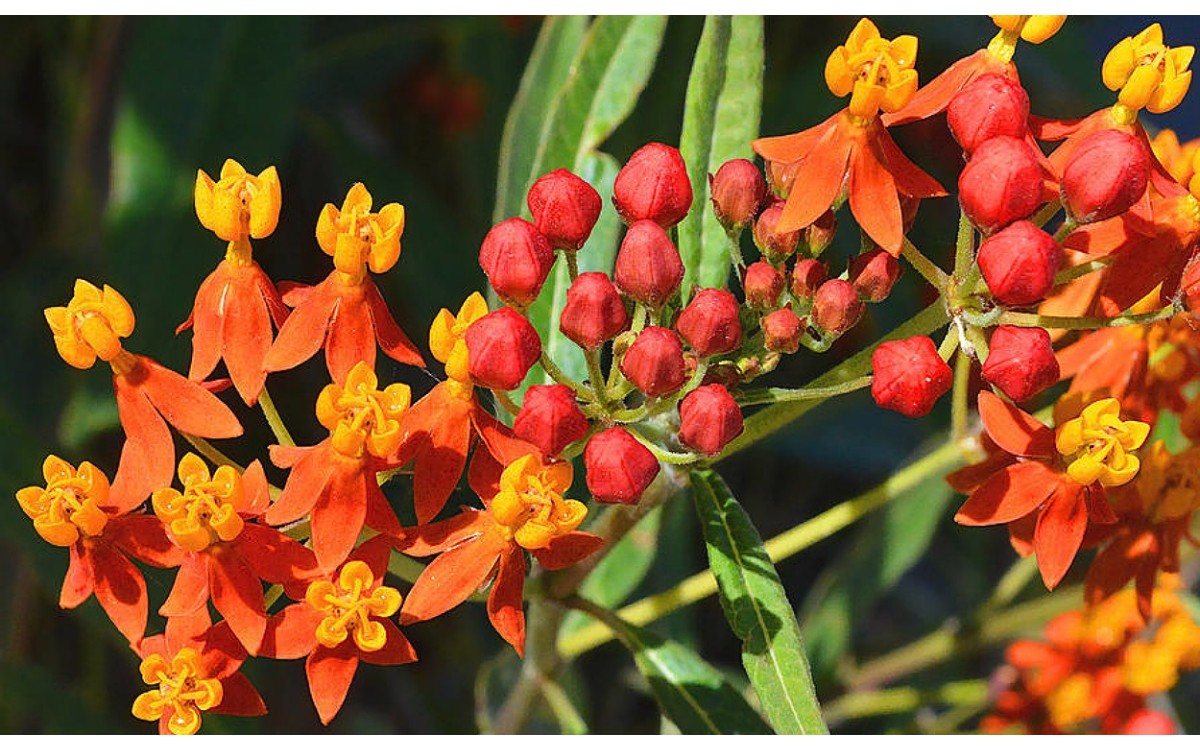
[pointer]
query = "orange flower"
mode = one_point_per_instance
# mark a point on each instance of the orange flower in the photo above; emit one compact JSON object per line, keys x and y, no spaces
{"x":1055,"y":485}
{"x":345,"y":313}
{"x":335,"y":480}
{"x":239,"y":205}
{"x":225,"y":556}
{"x":149,"y":396}
{"x":341,"y":620}
{"x":75,"y":510}
{"x":194,"y":666}
{"x":853,"y":144}
{"x":524,"y":510}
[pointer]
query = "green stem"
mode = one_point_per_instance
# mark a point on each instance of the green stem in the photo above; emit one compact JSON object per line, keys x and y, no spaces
{"x":924,"y":266}
{"x":1043,"y":217}
{"x":951,"y":639}
{"x":664,"y":455}
{"x":562,"y":378}
{"x":560,"y":705}
{"x":1033,"y":320}
{"x":1083,"y":269}
{"x":787,"y":544}
{"x":274,"y":421}
{"x":959,"y":406}
{"x":206,"y":449}
{"x":964,"y":248}
{"x":774,"y":418}
{"x":905,"y":700}
{"x":506,"y":402}
{"x":1069,"y":225}
{"x":779,"y":395}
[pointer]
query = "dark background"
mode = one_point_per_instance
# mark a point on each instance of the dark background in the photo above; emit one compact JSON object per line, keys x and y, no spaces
{"x":103,"y":124}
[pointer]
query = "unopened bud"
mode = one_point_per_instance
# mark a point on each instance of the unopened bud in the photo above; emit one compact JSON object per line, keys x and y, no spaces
{"x":564,"y":208}
{"x":550,"y":418}
{"x":738,"y":191}
{"x":648,"y":267}
{"x":709,"y":419}
{"x":501,"y":347}
{"x":1105,"y":175}
{"x":654,"y":362}
{"x":807,"y":276}
{"x":763,"y":283}
{"x":836,"y":307}
{"x":873,"y":275}
{"x":1018,"y":263}
{"x":774,"y":245}
{"x":594,"y":311}
{"x":1001,"y":183}
{"x":653,"y":185}
{"x":517,"y":259}
{"x":816,"y":236}
{"x":710,"y":323}
{"x":1020,"y":362}
{"x":990,"y":105}
{"x":782,"y":331}
{"x":619,"y":468}
{"x":909,"y":376}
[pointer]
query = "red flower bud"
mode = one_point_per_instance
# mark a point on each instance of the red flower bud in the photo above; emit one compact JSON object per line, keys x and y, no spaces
{"x":517,"y":259}
{"x":1001,"y":183}
{"x":782,"y":330}
{"x":653,"y":185}
{"x":873,"y":274}
{"x":836,"y":307}
{"x":807,"y":276}
{"x":501,"y":347}
{"x":619,"y":468}
{"x":817,"y":236}
{"x":1018,"y":263}
{"x":594,"y":311}
{"x":654,"y":362}
{"x":738,"y":191}
{"x":648,"y":268}
{"x":763,"y":283}
{"x":564,"y":208}
{"x":1149,"y":721}
{"x":909,"y":376}
{"x":1105,"y":175}
{"x":710,"y":324}
{"x":1020,"y":362}
{"x":709,"y":419}
{"x":775,"y":246}
{"x":550,"y":418}
{"x":991,"y":105}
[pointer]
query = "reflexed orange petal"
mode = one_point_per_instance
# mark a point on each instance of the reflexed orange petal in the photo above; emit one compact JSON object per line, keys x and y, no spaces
{"x":186,"y":405}
{"x":396,"y":650}
{"x":1059,"y":532}
{"x":1012,"y":429}
{"x":77,"y":584}
{"x":239,"y":698}
{"x":452,"y":577}
{"x":291,"y":633}
{"x":446,"y":423}
{"x":246,"y":336}
{"x":568,"y":549}
{"x":206,"y":324}
{"x":380,"y":515}
{"x":142,"y":537}
{"x":148,"y":457}
{"x":330,"y":672}
{"x":190,"y":592}
{"x":391,"y":339}
{"x":351,"y":337}
{"x":1138,"y":270}
{"x":910,"y":179}
{"x":795,"y":146}
{"x":121,"y":591}
{"x":504,"y":605}
{"x":338,"y":516}
{"x":818,"y":181}
{"x":439,"y":536}
{"x":237,"y":594}
{"x":1111,"y":568}
{"x":306,"y":482}
{"x":483,"y":475}
{"x":1014,"y":491}
{"x":873,"y":199}
{"x":935,"y":96}
{"x":256,"y":491}
{"x":303,"y":333}
{"x":274,"y":556}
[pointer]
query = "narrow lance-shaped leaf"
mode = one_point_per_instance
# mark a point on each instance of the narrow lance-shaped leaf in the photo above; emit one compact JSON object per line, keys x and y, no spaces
{"x":690,"y":691}
{"x":758,"y":610}
{"x":721,"y":117}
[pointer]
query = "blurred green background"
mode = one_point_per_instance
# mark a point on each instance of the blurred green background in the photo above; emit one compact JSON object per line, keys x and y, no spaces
{"x":103,"y":124}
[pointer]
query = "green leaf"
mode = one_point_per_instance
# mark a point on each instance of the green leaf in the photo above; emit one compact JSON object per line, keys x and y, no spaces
{"x":757,"y":609}
{"x":721,"y":117}
{"x":549,"y":65}
{"x":693,"y":694}
{"x":881,"y":553}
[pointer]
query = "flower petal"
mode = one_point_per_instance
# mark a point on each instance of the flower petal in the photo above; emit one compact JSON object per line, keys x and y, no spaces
{"x":351,"y":337}
{"x":439,"y":536}
{"x":148,"y":457}
{"x":239,"y":698}
{"x":238,"y":595}
{"x":338,"y":516}
{"x":121,"y":591}
{"x":1012,"y":429}
{"x":330,"y":672}
{"x":568,"y":549}
{"x":291,"y":633}
{"x":274,"y":556}
{"x":77,"y":584}
{"x":1059,"y":532}
{"x":818,"y":181}
{"x":397,"y":649}
{"x":452,"y":577}
{"x":143,"y":538}
{"x":873,"y":199}
{"x":1011,"y":493}
{"x":190,"y":592}
{"x":205,"y":322}
{"x":504,"y":605}
{"x":391,"y":339}
{"x":305,"y":484}
{"x":186,"y":405}
{"x":246,"y":336}
{"x":303,"y":333}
